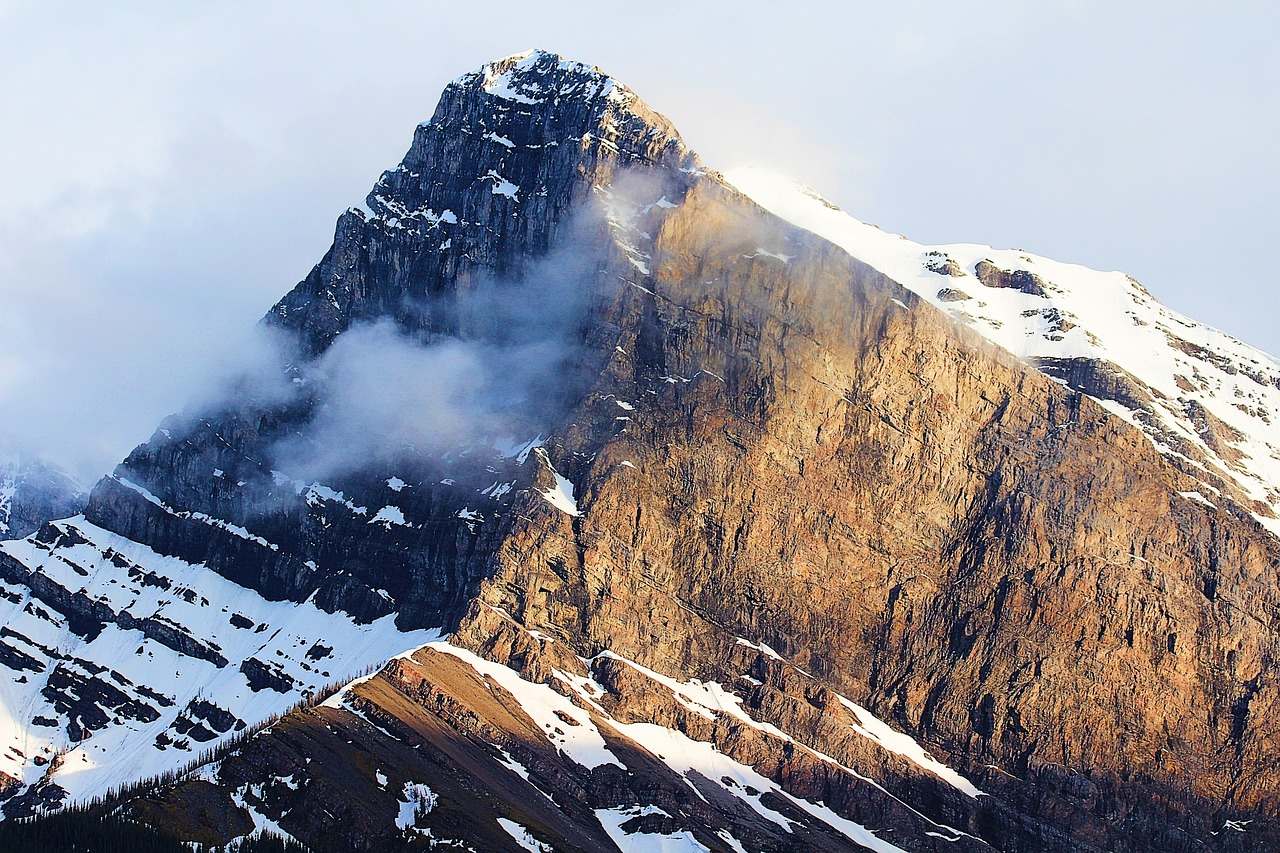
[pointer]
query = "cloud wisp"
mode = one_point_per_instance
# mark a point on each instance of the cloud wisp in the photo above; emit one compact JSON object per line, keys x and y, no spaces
{"x":384,"y":392}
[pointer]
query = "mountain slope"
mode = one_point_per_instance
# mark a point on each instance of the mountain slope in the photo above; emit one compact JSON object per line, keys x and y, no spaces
{"x":1205,"y":399}
{"x":129,"y":664}
{"x":738,"y":542}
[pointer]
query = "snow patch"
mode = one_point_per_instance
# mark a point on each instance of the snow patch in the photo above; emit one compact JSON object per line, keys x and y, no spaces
{"x":569,"y":728}
{"x":389,"y":515}
{"x":316,"y":493}
{"x":523,"y":837}
{"x":561,"y":494}
{"x":760,"y":647}
{"x":708,"y":699}
{"x":645,"y":842}
{"x":501,"y":186}
{"x":872,"y":727}
{"x":416,"y":802}
{"x":561,"y":497}
{"x":261,"y":823}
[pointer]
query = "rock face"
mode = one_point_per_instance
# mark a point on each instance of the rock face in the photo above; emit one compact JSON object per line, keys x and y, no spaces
{"x":756,"y":549}
{"x":1204,"y":399}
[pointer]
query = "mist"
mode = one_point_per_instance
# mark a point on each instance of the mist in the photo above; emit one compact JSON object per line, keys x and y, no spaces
{"x":381,"y":396}
{"x":386,"y":391}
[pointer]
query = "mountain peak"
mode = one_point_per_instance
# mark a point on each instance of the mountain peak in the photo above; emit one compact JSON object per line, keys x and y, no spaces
{"x":485,"y":180}
{"x":535,"y":76}
{"x":548,"y":85}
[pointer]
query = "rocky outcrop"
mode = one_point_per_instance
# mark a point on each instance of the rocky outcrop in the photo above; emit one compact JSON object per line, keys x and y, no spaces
{"x":940,"y":263}
{"x":1026,"y":282}
{"x":1101,"y":380}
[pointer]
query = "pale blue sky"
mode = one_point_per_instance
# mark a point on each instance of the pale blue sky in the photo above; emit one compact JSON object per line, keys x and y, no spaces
{"x":169,"y":169}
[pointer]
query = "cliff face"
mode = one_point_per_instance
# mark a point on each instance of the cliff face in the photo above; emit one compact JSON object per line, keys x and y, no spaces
{"x":757,"y":524}
{"x":961,"y":545}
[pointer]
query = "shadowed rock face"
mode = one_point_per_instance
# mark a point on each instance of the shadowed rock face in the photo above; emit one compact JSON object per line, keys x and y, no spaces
{"x":33,"y":492}
{"x":484,"y":188}
{"x":769,"y":471}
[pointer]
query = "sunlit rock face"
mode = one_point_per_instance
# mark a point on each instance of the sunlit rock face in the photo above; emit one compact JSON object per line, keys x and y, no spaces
{"x":692,"y":515}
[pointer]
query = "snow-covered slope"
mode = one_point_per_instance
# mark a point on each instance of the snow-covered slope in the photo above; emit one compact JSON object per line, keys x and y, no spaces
{"x":1209,"y":402}
{"x":126,"y":663}
{"x":695,"y":762}
{"x":635,"y":752}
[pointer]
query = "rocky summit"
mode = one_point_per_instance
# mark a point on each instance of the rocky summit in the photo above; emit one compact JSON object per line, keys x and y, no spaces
{"x":600,"y":501}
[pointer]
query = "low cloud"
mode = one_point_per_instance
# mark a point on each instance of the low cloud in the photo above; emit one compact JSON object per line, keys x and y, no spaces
{"x":382,"y":396}
{"x":382,"y":393}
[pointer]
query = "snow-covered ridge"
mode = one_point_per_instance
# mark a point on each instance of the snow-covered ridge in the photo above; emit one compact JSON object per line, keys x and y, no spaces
{"x":1207,"y":401}
{"x":175,"y":660}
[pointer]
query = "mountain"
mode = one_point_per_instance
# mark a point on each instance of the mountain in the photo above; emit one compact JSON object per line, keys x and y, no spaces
{"x":32,"y":492}
{"x":601,"y":501}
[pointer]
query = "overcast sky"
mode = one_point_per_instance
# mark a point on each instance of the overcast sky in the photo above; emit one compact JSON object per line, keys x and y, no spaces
{"x":168,"y":170}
